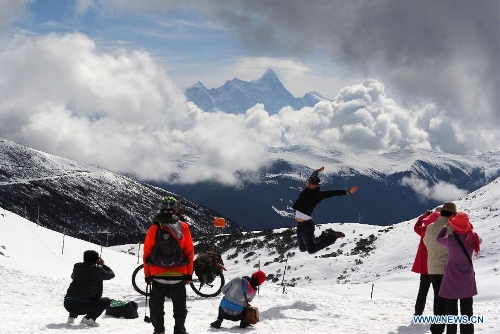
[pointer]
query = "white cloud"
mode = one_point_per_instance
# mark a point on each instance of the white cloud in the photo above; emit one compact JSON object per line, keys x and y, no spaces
{"x":120,"y":110}
{"x":81,"y":6}
{"x":441,"y":191}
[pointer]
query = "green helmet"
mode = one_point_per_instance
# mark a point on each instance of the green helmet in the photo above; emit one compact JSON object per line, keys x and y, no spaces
{"x":168,"y":204}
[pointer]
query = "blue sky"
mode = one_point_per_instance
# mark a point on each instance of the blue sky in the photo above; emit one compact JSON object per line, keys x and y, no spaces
{"x":84,"y":78}
{"x":191,"y":45}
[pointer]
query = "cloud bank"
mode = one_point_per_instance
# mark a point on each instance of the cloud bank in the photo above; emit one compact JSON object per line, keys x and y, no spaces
{"x":441,"y":191}
{"x":446,"y":52}
{"x":61,"y":95}
{"x":442,"y":52}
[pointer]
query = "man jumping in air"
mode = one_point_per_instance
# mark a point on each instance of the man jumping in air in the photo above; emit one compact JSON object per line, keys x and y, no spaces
{"x":304,"y":206}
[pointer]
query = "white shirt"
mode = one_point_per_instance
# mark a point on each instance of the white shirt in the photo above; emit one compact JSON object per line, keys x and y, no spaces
{"x":301,"y":215}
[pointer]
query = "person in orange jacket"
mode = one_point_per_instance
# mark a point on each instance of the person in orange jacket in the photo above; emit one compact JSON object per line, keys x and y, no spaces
{"x":169,"y":281}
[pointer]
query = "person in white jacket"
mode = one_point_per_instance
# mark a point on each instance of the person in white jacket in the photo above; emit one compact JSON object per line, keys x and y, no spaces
{"x":232,"y":305}
{"x":437,"y":256}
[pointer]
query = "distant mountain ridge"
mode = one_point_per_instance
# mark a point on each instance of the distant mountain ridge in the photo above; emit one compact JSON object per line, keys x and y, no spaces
{"x":386,"y":194}
{"x":85,"y":201}
{"x":82,"y":199}
{"x":237,"y":96}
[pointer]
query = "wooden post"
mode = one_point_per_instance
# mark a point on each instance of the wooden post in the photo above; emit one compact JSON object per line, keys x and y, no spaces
{"x":258,"y":287}
{"x":284,"y":271}
{"x":138,"y":251}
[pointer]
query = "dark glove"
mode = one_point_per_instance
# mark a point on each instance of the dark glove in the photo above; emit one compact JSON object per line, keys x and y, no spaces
{"x":148,"y":280}
{"x":188,"y":277}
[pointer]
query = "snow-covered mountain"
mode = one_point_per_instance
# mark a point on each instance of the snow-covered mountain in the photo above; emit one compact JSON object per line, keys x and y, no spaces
{"x":82,"y":200}
{"x":237,"y":96}
{"x":361,"y":284}
{"x":393,"y":186}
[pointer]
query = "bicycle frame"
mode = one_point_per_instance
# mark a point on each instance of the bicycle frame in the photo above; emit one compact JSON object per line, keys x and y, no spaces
{"x":200,"y":288}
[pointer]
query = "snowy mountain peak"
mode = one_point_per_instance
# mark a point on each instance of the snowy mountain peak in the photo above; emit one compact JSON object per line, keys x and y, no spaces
{"x":269,"y":77}
{"x":237,"y":96}
{"x":198,"y":85}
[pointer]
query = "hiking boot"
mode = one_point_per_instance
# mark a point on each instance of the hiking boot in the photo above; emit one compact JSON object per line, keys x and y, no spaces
{"x":333,"y":233}
{"x":70,"y":321}
{"x":180,"y":332}
{"x":338,"y":234}
{"x":89,"y":322}
{"x":216,"y":324}
{"x":244,"y":324}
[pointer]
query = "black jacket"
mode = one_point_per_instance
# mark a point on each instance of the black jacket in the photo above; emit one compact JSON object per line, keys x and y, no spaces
{"x":309,"y":198}
{"x":87,"y":281}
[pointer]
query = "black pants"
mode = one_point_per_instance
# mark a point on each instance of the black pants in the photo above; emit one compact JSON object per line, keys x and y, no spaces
{"x":451,"y":308}
{"x":177,"y":293}
{"x":439,"y":303}
{"x":306,"y":240}
{"x":232,"y":317}
{"x":92,"y":309}
{"x":423,"y":289}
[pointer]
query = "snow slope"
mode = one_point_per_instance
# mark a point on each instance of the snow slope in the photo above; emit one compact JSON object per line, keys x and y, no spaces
{"x":331,"y":295}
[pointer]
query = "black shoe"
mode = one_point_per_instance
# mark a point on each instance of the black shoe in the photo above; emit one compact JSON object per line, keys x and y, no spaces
{"x":333,"y":233}
{"x":216,"y":323}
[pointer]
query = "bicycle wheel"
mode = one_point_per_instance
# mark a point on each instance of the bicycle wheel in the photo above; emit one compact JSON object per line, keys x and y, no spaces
{"x":138,"y":281}
{"x":209,"y":289}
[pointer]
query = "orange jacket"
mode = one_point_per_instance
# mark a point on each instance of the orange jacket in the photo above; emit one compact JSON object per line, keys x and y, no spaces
{"x":186,"y":243}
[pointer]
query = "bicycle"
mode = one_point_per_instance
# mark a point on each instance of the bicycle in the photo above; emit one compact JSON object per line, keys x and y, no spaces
{"x":201,"y":288}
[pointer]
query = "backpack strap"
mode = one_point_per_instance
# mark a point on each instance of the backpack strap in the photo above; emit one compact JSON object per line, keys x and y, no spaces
{"x":243,"y":290}
{"x":166,"y":229}
{"x":463,"y":248}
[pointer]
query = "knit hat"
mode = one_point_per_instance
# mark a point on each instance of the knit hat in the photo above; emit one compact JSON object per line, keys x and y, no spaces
{"x":460,"y":223}
{"x":450,"y":207}
{"x":90,"y":256}
{"x":259,"y":277}
{"x":314,"y":179}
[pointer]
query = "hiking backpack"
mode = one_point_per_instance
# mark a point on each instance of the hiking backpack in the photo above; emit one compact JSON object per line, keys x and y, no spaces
{"x":166,"y":251}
